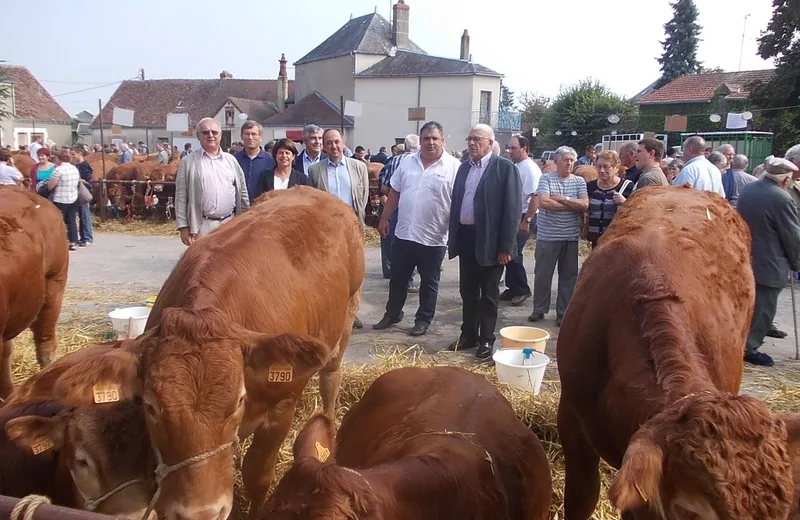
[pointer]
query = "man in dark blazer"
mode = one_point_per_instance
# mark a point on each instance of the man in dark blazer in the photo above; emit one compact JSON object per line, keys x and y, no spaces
{"x":771,"y":214}
{"x":484,"y":222}
{"x":312,"y":154}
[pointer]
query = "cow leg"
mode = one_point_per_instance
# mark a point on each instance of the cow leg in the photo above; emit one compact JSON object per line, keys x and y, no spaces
{"x":44,"y":326}
{"x":330,"y":380}
{"x":258,"y":466}
{"x":582,"y":488}
{"x":6,"y":384}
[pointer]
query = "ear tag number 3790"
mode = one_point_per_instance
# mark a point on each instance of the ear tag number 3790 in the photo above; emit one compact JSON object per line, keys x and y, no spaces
{"x":105,"y":393}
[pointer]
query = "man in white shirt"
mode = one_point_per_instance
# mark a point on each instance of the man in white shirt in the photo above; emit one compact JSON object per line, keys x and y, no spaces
{"x":34,"y":148}
{"x":421,"y":189}
{"x":697,"y":171}
{"x":9,"y":175}
{"x":517,"y":288}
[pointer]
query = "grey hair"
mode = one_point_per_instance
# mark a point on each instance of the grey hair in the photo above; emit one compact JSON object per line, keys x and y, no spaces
{"x":726,"y":146}
{"x":411,"y":143}
{"x":484,"y":128}
{"x":793,"y":154}
{"x":310,"y":129}
{"x":496,"y":148}
{"x":629,"y":147}
{"x":564,"y":150}
{"x":717,"y":159}
{"x":740,"y":162}
{"x":675,"y":163}
{"x":205,"y":120}
{"x":695,"y":143}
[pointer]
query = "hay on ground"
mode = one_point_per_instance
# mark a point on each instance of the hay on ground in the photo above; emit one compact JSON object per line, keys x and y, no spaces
{"x":136,"y":227}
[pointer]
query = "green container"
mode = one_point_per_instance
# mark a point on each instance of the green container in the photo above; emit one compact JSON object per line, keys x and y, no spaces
{"x":757,"y":146}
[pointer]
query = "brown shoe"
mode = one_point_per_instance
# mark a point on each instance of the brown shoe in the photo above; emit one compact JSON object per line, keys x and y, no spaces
{"x":516,"y":301}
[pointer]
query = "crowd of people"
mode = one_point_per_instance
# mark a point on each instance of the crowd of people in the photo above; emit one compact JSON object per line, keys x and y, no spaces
{"x":481,"y":206}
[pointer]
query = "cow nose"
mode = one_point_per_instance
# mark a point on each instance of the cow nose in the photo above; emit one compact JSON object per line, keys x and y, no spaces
{"x":205,"y":514}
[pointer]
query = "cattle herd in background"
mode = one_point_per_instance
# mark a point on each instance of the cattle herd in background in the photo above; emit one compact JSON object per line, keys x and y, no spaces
{"x":649,"y":357}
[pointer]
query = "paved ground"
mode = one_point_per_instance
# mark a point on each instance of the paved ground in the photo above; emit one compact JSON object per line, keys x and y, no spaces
{"x":135,"y":264}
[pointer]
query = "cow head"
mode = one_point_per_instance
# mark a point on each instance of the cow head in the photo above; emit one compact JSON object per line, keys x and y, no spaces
{"x":315,"y":487}
{"x":104,"y":447}
{"x":709,"y":456}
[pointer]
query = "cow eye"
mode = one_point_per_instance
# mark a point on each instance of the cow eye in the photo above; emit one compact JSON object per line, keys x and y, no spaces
{"x":242,"y":401}
{"x":81,"y":462}
{"x":150,"y":411}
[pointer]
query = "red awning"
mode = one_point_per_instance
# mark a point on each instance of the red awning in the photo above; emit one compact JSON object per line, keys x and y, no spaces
{"x":294,"y":135}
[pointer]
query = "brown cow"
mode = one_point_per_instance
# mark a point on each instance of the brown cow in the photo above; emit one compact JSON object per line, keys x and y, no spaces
{"x":588,"y":173}
{"x":97,"y":458}
{"x":35,"y":259}
{"x":663,"y":351}
{"x":792,"y":421}
{"x":232,"y":341}
{"x":423,"y":443}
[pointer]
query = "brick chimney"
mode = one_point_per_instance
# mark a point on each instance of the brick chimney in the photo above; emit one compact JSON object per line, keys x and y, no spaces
{"x":465,"y":45}
{"x":283,"y":85}
{"x":400,"y":25}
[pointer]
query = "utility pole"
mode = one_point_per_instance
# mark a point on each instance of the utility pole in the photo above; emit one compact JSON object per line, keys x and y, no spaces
{"x":744,"y":32}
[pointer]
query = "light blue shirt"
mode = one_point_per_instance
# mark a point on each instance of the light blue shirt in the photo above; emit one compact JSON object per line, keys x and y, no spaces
{"x":339,"y":182}
{"x":309,"y":162}
{"x":700,"y":174}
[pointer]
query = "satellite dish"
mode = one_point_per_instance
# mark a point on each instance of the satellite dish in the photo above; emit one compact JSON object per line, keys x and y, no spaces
{"x":715,"y":118}
{"x":613,"y":119}
{"x":747,"y":116}
{"x":613,"y":132}
{"x":243,"y":116}
{"x":558,"y":132}
{"x":574,"y":133}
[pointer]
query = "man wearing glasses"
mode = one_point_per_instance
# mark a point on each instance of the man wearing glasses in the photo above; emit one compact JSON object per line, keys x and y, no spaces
{"x":210,"y":186}
{"x":252,"y":158}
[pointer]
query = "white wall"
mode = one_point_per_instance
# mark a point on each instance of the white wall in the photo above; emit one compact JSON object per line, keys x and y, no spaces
{"x":480,"y":83}
{"x":448,"y":100}
{"x":61,"y":134}
{"x":271,"y":133}
{"x":365,"y":61}
{"x":134,"y":135}
{"x":332,"y":77}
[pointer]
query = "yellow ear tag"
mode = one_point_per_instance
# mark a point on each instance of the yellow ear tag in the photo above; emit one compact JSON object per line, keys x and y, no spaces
{"x":280,"y":373}
{"x":322,"y":452}
{"x":105,"y":393}
{"x":42,"y":446}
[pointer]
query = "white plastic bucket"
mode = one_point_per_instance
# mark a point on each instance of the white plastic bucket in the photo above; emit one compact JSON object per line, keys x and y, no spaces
{"x":524,"y":337}
{"x":510,"y":369}
{"x":133,"y":317}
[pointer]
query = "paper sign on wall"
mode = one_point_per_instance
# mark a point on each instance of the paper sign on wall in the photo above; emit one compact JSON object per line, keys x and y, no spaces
{"x":177,"y":122}
{"x":122,"y":117}
{"x":735,"y":121}
{"x":353,"y":109}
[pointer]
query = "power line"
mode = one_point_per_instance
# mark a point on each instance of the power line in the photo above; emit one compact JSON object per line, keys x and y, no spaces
{"x":87,"y":89}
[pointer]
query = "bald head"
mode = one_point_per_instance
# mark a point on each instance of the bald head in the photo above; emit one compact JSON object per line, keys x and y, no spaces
{"x":694,"y":146}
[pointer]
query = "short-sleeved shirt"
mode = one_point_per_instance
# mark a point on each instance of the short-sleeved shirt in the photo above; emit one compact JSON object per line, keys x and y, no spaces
{"x":66,"y":191}
{"x":425,"y":197}
{"x":529,"y":174}
{"x":560,"y":225}
{"x":700,"y":174}
{"x":9,"y":175}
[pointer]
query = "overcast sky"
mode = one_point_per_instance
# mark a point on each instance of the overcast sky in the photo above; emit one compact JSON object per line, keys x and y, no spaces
{"x":538,"y":46}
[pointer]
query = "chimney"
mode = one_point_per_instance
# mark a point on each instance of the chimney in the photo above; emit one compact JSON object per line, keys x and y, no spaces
{"x":400,"y":25}
{"x":283,"y":84}
{"x":465,"y":45}
{"x":225,"y":75}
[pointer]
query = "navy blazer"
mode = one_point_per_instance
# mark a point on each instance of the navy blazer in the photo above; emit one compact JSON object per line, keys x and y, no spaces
{"x":498,"y":205}
{"x":266,"y":182}
{"x":298,"y":161}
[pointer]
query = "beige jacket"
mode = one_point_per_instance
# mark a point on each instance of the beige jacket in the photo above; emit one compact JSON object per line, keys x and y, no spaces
{"x":359,"y":182}
{"x":189,"y":191}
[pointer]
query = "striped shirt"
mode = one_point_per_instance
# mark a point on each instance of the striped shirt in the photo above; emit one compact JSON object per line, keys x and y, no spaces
{"x":560,"y":225}
{"x":602,"y":207}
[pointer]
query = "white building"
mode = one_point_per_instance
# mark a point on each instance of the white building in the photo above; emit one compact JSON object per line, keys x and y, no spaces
{"x":33,"y":111}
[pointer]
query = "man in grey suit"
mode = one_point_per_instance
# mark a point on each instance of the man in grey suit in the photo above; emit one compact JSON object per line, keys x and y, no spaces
{"x":484,"y":222}
{"x":209,"y":187}
{"x":771,"y":214}
{"x":343,"y":177}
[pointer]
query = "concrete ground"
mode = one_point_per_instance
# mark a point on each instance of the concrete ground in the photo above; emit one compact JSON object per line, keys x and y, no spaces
{"x":138,"y":265}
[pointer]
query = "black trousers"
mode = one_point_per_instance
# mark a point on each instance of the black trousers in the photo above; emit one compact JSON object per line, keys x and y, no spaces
{"x":480,"y":291}
{"x":407,"y":255}
{"x":69,"y":212}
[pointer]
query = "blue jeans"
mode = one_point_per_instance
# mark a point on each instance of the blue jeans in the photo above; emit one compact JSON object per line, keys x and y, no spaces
{"x":516,"y":277}
{"x":386,"y":247}
{"x":85,"y":217}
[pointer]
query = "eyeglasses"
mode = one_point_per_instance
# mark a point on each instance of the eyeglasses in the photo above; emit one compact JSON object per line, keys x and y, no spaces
{"x":209,"y":132}
{"x":475,"y":139}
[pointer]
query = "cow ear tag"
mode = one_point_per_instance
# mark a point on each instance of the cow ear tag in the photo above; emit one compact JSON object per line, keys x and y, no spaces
{"x":105,"y":393}
{"x":280,"y":373}
{"x":42,"y":446}
{"x":322,"y":452}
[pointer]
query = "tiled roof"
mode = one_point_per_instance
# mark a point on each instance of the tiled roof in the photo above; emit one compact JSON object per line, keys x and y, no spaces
{"x":255,"y":110}
{"x":406,"y":63}
{"x":31,"y":99}
{"x":312,"y":109}
{"x":699,"y":88}
{"x":152,"y":100}
{"x":368,"y":34}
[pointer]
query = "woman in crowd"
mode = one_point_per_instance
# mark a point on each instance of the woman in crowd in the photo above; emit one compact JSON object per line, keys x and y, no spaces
{"x":41,"y":172}
{"x":86,"y":236}
{"x":283,"y":176}
{"x":63,"y":185}
{"x":606,"y":193}
{"x":674,"y":168}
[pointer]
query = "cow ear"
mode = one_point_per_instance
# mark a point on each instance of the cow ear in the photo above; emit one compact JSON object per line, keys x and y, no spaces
{"x":39,"y":434}
{"x":638,"y":481}
{"x":316,"y":440}
{"x":284,"y":358}
{"x":113,"y":376}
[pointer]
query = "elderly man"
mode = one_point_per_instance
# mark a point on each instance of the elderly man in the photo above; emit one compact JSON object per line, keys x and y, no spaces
{"x":649,"y":153}
{"x":698,"y":172}
{"x":421,"y":191}
{"x":312,"y":139}
{"x":252,"y":159}
{"x":344,"y":177}
{"x":125,"y":154}
{"x":627,"y":157}
{"x":562,"y":200}
{"x":210,"y":187}
{"x":736,"y":178}
{"x":517,"y":288}
{"x":484,"y":223}
{"x":162,"y":156}
{"x":775,"y":236}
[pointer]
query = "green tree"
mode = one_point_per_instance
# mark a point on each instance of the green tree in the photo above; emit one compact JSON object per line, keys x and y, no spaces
{"x":506,"y":98}
{"x":781,"y":42}
{"x":534,"y":108}
{"x":585,"y":109}
{"x":680,"y":46}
